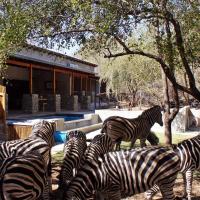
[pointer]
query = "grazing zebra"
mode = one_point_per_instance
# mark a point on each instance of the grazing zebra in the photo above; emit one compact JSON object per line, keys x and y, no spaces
{"x":100,"y":145}
{"x":24,"y":177}
{"x":123,"y":129}
{"x":74,"y":150}
{"x":189,"y":154}
{"x":125,"y":173}
{"x":41,"y":140}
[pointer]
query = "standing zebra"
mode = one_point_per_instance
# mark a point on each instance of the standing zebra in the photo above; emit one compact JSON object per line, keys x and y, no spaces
{"x":125,"y":173}
{"x":24,"y":177}
{"x":123,"y":129}
{"x":40,"y":140}
{"x":189,"y":154}
{"x":74,"y":150}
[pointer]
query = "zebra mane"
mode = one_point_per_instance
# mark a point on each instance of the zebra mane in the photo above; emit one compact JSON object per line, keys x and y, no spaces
{"x":44,"y":130}
{"x":76,"y":134}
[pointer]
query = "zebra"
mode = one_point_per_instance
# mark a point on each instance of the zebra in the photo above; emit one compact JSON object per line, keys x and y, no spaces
{"x":24,"y":177}
{"x":74,"y":149}
{"x":189,"y":154}
{"x":120,"y":128}
{"x":99,"y":145}
{"x":120,"y":174}
{"x":41,"y":140}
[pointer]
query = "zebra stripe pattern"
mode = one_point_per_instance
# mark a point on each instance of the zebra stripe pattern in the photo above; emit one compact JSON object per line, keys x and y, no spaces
{"x":123,"y":129}
{"x":100,"y":145}
{"x":24,"y":177}
{"x":189,"y":154}
{"x":40,"y":140}
{"x":125,"y":173}
{"x":74,"y":150}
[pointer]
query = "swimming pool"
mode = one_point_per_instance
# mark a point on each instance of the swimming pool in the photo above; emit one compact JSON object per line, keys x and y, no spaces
{"x":32,"y":120}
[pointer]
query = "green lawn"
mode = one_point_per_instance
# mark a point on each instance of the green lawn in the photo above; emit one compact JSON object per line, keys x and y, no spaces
{"x":176,"y":138}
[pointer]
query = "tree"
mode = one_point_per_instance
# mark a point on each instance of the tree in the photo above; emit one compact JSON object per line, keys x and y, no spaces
{"x":18,"y":19}
{"x":127,"y":75}
{"x":106,"y":24}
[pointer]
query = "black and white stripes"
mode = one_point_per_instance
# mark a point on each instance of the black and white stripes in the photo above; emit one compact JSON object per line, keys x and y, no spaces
{"x":74,"y":150}
{"x":123,"y":129}
{"x":125,"y":173}
{"x":24,"y":177}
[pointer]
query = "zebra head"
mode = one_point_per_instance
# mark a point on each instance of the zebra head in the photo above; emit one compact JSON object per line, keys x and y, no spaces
{"x":44,"y":130}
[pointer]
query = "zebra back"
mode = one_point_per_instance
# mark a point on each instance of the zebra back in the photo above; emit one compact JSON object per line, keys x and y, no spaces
{"x":125,"y":173}
{"x":74,"y":149}
{"x":44,"y":130}
{"x":24,"y":146}
{"x":24,"y":177}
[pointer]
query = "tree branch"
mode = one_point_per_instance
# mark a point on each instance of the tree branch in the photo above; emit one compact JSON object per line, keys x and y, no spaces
{"x":156,"y":58}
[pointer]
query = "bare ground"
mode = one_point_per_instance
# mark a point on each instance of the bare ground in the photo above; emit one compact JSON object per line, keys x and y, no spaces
{"x":178,"y":189}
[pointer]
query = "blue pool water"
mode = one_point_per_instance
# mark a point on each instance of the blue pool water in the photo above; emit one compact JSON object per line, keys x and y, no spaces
{"x":67,"y":117}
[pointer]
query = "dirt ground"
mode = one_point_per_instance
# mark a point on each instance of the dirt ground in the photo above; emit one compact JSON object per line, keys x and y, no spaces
{"x":178,"y":189}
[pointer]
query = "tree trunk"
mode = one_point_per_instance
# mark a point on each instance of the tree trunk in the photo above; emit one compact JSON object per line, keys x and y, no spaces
{"x":167,"y":121}
{"x":168,"y":131}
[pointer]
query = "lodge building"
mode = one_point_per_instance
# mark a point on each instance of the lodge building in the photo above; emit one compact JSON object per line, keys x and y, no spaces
{"x":38,"y":80}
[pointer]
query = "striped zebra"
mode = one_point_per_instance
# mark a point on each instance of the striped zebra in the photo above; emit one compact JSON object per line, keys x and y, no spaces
{"x":121,"y":174}
{"x":41,"y":140}
{"x":99,"y":145}
{"x":24,"y":177}
{"x":189,"y":154}
{"x":123,"y":129}
{"x":74,"y":149}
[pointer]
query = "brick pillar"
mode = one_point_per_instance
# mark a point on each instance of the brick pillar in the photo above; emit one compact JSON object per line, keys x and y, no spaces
{"x":75,"y":102}
{"x":58,"y":102}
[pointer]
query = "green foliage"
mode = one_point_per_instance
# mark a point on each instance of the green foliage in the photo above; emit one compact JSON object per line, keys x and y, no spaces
{"x":17,"y":21}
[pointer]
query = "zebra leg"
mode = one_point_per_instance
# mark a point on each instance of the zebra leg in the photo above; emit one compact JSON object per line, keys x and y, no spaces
{"x":46,"y":193}
{"x":49,"y":170}
{"x":117,"y":144}
{"x":132,"y":143}
{"x":187,"y":179}
{"x":142,"y":142}
{"x":151,"y":192}
{"x":167,"y":192}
